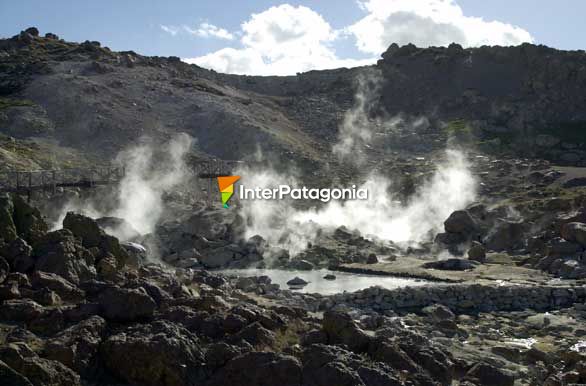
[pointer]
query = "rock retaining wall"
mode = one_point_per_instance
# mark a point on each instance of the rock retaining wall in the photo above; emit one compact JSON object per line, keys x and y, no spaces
{"x":462,"y":298}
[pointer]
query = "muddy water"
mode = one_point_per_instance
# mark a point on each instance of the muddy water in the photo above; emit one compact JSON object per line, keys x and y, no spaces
{"x":348,"y":282}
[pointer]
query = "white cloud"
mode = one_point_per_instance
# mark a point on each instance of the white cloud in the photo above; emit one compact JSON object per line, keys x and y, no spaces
{"x":172,"y":30}
{"x":204,"y":30}
{"x":281,"y":40}
{"x":207,"y":30}
{"x":286,"y":39}
{"x":427,"y":23}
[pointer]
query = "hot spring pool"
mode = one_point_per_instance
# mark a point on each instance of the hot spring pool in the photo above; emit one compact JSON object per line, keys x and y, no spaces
{"x":344,"y":281}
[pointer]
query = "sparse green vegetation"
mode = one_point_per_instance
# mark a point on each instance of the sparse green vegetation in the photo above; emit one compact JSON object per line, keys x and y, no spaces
{"x":11,"y":102}
{"x":572,"y":132}
{"x":290,"y":335}
{"x":458,"y":127}
{"x":17,"y":154}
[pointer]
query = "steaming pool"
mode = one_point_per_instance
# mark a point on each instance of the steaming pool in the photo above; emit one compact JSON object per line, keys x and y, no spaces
{"x":344,"y":281}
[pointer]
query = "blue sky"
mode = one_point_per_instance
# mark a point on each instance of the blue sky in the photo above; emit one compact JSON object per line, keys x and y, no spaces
{"x":291,"y":36}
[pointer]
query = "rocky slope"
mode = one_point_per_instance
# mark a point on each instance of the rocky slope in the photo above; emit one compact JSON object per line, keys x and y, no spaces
{"x":505,"y":306}
{"x":526,"y":98}
{"x":78,"y":308}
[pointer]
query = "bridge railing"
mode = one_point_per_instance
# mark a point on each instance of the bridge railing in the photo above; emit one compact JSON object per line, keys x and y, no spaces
{"x":207,"y":171}
{"x":30,"y":180}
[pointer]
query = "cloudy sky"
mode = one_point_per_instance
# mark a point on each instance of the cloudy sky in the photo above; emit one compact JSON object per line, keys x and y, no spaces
{"x":270,"y":37}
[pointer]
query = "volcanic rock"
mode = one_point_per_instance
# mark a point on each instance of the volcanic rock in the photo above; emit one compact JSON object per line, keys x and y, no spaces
{"x":60,"y":253}
{"x":12,"y":377}
{"x":162,"y":353}
{"x":66,"y":290}
{"x":21,"y":310}
{"x":77,"y":346}
{"x":506,"y":235}
{"x":126,"y":305}
{"x":256,"y":335}
{"x":341,"y":329}
{"x":7,"y":227}
{"x":92,"y":236}
{"x":39,"y":371}
{"x":574,"y":232}
{"x":4,"y":269}
{"x":485,"y":374}
{"x":18,"y":254}
{"x":297,"y":282}
{"x":477,"y":252}
{"x":269,"y":369}
{"x":452,"y":264}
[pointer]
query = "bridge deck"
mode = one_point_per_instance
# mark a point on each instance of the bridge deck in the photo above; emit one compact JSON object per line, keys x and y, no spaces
{"x":28,"y":181}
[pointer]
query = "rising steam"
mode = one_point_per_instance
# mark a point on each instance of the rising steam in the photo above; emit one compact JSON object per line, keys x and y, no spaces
{"x":382,"y":216}
{"x":356,"y":132}
{"x":150,"y":172}
{"x":452,"y":187}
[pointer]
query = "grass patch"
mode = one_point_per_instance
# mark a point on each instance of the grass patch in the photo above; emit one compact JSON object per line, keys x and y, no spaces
{"x":458,"y":127}
{"x":290,"y":335}
{"x":573,"y":132}
{"x":11,"y":102}
{"x":19,"y":154}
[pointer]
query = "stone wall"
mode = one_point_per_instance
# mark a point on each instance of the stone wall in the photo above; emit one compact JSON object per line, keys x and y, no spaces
{"x":462,"y":298}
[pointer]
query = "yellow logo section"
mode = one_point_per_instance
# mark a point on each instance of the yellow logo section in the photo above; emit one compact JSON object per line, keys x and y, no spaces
{"x":226,"y":186}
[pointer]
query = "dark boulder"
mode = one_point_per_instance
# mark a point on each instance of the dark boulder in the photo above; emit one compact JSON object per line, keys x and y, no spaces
{"x":85,"y":228}
{"x":28,"y":220}
{"x":460,"y":222}
{"x":256,"y":335}
{"x":218,"y":354}
{"x":21,"y":310}
{"x":506,"y":235}
{"x":59,"y":252}
{"x":477,"y":252}
{"x":18,"y":254}
{"x":340,"y":328}
{"x":157,"y":354}
{"x":297,"y":282}
{"x":329,"y":365}
{"x":39,"y":371}
{"x":33,"y":31}
{"x":4,"y":269}
{"x":77,"y":346}
{"x":11,"y":377}
{"x":92,"y":236}
{"x":260,"y":369}
{"x":485,"y":374}
{"x":117,"y":227}
{"x":7,"y":227}
{"x":452,"y":264}
{"x":439,"y":313}
{"x":574,"y":232}
{"x":126,"y":305}
{"x":65,"y":289}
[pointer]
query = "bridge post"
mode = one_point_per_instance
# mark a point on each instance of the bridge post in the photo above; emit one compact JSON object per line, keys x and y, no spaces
{"x":30,"y":186}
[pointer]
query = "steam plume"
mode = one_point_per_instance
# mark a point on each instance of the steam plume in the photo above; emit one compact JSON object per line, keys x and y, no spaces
{"x":356,"y":131}
{"x":148,"y":175}
{"x":150,"y":172}
{"x":451,"y":187}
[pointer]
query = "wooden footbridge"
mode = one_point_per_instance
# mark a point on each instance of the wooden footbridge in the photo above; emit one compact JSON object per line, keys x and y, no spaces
{"x":26,"y":182}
